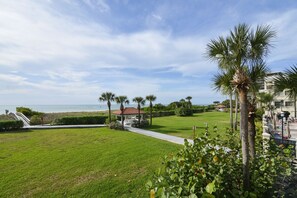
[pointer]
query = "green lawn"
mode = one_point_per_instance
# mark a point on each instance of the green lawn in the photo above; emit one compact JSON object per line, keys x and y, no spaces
{"x":182,"y":126}
{"x":78,"y":163}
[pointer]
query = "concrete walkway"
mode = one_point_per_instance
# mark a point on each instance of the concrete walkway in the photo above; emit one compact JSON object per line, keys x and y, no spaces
{"x":63,"y":126}
{"x":161,"y":136}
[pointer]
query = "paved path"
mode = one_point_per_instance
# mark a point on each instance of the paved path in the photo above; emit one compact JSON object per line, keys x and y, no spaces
{"x":161,"y":136}
{"x":63,"y":126}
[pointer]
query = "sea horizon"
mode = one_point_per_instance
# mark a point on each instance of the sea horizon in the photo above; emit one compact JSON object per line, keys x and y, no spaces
{"x":56,"y":108}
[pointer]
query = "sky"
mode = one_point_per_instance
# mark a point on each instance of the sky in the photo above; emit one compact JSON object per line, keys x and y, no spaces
{"x":71,"y":51}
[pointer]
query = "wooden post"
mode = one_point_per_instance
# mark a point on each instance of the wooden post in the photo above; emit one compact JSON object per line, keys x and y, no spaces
{"x":194,"y":130}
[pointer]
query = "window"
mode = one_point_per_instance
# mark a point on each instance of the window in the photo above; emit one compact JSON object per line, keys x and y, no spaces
{"x":287,"y":93}
{"x":289,"y":103}
{"x":278,"y":104}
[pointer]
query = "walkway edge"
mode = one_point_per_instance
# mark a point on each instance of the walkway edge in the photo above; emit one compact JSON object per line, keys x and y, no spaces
{"x":169,"y":138}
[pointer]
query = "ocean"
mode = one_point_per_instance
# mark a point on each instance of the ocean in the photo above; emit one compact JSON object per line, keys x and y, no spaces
{"x":62,"y":108}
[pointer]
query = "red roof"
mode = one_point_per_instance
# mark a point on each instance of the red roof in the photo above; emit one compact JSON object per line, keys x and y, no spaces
{"x":128,"y":111}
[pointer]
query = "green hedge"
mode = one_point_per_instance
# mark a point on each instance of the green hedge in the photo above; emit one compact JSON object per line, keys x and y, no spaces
{"x":162,"y":113}
{"x":9,"y":125}
{"x":27,"y":111}
{"x":80,"y":120}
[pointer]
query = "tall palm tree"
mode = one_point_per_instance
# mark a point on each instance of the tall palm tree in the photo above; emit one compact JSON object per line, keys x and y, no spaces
{"x":109,"y":97}
{"x":236,"y":111}
{"x":140,"y":102}
{"x":288,"y":80}
{"x":222,"y":82}
{"x":238,"y":50}
{"x":122,"y":100}
{"x":151,"y":99}
{"x":189,"y":98}
{"x":257,"y":71}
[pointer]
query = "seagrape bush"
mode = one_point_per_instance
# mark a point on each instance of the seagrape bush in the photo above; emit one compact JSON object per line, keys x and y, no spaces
{"x":207,"y":168}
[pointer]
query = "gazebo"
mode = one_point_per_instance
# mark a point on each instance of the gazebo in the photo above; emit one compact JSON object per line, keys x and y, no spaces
{"x":130,"y":114}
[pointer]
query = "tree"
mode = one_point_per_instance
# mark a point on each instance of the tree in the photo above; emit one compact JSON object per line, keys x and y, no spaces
{"x":109,"y":97}
{"x":189,"y":98}
{"x":140,"y":102}
{"x":287,"y":80}
{"x":222,"y":82}
{"x":122,"y":100}
{"x":257,"y":71}
{"x":241,"y":48}
{"x":151,"y":99}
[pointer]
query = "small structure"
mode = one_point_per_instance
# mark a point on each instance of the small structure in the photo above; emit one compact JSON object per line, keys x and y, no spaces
{"x":130,"y":115}
{"x":220,"y":107}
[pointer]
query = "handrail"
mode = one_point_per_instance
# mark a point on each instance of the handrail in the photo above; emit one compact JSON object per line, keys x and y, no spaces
{"x":24,"y":117}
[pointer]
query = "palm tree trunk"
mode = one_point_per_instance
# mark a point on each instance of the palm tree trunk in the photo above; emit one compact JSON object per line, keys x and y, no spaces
{"x":151,"y":114}
{"x":139,"y":116}
{"x":252,"y":129}
{"x":236,"y":112}
{"x":109,"y":112}
{"x":231,"y":111}
{"x":295,"y":106}
{"x":244,"y":138}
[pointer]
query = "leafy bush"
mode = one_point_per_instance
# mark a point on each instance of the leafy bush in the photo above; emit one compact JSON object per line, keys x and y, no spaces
{"x":113,"y":119}
{"x":115,"y":125}
{"x":208,"y":169}
{"x":183,"y":111}
{"x":36,"y":120}
{"x":80,"y":120}
{"x":27,"y":111}
{"x":259,"y":114}
{"x":11,"y":125}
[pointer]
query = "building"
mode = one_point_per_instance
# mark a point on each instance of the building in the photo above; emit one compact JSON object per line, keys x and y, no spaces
{"x":281,"y":101}
{"x":130,"y":114}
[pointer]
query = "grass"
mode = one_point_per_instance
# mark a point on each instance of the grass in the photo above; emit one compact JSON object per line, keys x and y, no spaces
{"x":183,"y":126}
{"x":78,"y":163}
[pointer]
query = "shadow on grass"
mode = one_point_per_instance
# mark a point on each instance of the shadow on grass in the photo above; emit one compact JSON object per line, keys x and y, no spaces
{"x":17,"y":131}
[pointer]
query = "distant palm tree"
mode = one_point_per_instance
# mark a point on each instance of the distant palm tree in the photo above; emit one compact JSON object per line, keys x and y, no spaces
{"x":189,"y":98}
{"x":109,"y":97}
{"x":122,"y":100}
{"x":140,"y":102}
{"x":288,"y":80}
{"x":242,"y":47}
{"x":151,"y":99}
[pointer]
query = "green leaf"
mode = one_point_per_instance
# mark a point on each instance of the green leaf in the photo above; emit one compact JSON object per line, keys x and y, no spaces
{"x":210,"y":188}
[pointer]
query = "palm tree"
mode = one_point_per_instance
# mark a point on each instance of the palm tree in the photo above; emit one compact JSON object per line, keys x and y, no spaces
{"x":109,"y":97}
{"x":151,"y":99}
{"x":140,"y":102}
{"x":189,"y":98}
{"x":122,"y":100}
{"x":288,"y":80}
{"x":222,"y":82}
{"x":236,"y":111}
{"x":257,"y":71}
{"x":238,"y":50}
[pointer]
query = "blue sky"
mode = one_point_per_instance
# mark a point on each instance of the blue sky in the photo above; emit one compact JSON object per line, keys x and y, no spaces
{"x":70,"y":51}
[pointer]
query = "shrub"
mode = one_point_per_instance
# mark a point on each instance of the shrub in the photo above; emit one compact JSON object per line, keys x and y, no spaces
{"x":80,"y":120}
{"x":115,"y":125}
{"x":183,"y":111}
{"x":36,"y":120}
{"x":207,"y":169}
{"x":113,"y":119}
{"x":11,"y":125}
{"x":27,"y":111}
